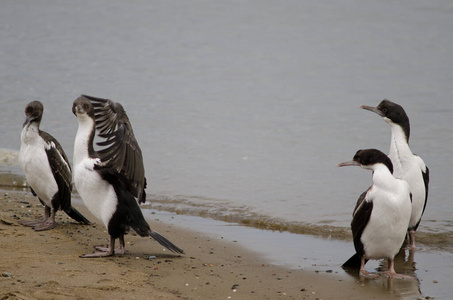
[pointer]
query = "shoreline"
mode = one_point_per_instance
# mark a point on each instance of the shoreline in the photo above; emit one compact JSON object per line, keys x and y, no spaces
{"x":11,"y":179}
{"x":46,"y":265}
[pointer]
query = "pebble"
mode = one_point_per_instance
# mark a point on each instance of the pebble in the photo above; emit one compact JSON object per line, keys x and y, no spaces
{"x":6,"y":274}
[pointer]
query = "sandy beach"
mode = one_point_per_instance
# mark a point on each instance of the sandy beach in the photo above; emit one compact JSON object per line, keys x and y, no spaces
{"x":46,"y":265}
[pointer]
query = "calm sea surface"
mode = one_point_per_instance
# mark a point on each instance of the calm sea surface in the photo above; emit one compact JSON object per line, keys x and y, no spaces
{"x":243,"y":109}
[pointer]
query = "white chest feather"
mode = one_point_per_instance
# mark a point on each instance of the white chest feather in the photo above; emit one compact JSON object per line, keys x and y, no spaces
{"x":386,"y":229}
{"x":409,"y":167}
{"x":35,"y":164}
{"x":97,"y":194}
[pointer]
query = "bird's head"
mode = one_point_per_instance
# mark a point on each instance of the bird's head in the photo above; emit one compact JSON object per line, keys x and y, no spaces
{"x":369,"y":159}
{"x":389,"y":111}
{"x":33,"y":112}
{"x":393,"y":114}
{"x":82,"y":107}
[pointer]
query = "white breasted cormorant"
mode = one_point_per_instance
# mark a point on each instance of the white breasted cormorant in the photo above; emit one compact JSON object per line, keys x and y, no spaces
{"x":111,"y":180}
{"x":382,"y":213}
{"x":46,"y":169}
{"x":406,"y":165}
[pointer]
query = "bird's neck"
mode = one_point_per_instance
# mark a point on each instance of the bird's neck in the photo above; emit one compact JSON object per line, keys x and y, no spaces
{"x":400,"y":152}
{"x":30,"y":133}
{"x":382,"y":177}
{"x":83,"y":145}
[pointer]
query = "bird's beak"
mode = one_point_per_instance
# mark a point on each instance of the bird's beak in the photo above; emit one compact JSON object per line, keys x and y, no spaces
{"x":373,"y":109}
{"x":77,"y":109}
{"x":28,"y":119}
{"x":349,"y":163}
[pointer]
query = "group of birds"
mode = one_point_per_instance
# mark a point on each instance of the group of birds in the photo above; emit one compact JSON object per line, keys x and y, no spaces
{"x":110,"y":181}
{"x":392,"y":207}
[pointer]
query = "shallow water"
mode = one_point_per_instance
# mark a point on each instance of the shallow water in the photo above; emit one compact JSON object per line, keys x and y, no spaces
{"x":431,"y":268}
{"x":243,"y":110}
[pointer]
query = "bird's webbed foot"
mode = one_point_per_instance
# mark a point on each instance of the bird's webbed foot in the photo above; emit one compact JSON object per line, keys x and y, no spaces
{"x":393,"y":274}
{"x":119,"y":250}
{"x":30,"y":223}
{"x":97,"y":254}
{"x":45,"y":225}
{"x":367,"y":274}
{"x":107,"y":251}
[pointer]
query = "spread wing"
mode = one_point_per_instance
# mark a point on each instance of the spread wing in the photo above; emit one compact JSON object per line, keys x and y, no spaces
{"x":122,"y":154}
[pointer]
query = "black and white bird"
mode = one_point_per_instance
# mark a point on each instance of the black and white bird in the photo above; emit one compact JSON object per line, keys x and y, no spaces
{"x":406,"y":165}
{"x":111,"y":181}
{"x":382,"y":213}
{"x":46,"y":169}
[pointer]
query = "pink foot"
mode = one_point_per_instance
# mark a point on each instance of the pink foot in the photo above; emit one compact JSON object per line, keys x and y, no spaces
{"x":106,"y":249}
{"x":96,"y":254}
{"x":46,"y":225}
{"x":391,"y":274}
{"x":30,"y":223}
{"x":367,"y":274}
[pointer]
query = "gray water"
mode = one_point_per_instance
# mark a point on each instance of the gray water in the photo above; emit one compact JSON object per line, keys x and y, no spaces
{"x":243,"y":109}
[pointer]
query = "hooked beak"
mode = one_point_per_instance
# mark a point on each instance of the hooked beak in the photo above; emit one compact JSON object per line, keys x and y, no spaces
{"x":373,"y":109}
{"x":349,"y":163}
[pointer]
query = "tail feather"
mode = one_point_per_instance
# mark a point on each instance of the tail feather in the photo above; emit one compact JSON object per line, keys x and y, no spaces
{"x":165,"y":242}
{"x":76,"y":215}
{"x":353,"y":263}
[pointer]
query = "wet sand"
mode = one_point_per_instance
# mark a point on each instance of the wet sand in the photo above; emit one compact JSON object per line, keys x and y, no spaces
{"x":46,"y":265}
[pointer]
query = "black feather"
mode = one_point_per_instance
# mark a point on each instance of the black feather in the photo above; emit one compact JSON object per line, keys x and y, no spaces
{"x":122,"y":154}
{"x":128,"y":215}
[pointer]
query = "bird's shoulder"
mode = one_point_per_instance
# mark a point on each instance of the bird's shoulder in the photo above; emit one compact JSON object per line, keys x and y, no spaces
{"x":52,"y":144}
